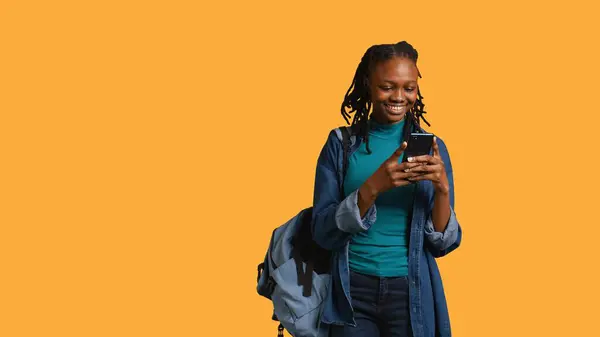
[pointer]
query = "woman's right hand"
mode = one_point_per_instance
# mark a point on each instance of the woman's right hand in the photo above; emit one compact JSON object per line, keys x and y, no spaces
{"x":389,"y":175}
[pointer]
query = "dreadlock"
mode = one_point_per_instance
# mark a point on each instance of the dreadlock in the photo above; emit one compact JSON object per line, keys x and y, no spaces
{"x":357,"y":97}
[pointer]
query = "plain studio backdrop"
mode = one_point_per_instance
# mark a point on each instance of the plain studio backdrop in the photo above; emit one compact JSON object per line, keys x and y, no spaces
{"x":149,"y":148}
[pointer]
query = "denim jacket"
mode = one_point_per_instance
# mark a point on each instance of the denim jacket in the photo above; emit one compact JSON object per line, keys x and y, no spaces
{"x":335,"y":221}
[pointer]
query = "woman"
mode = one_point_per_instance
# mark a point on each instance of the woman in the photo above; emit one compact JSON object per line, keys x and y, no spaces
{"x":393,"y":217}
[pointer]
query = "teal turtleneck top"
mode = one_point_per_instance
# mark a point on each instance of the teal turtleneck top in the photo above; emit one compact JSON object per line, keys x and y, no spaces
{"x":383,"y":249}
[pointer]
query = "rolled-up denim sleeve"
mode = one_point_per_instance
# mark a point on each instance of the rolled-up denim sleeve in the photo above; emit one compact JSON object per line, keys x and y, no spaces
{"x":347,"y":215}
{"x":442,"y":240}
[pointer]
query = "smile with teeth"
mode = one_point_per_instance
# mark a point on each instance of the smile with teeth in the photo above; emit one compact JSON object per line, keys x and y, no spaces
{"x":395,"y":108}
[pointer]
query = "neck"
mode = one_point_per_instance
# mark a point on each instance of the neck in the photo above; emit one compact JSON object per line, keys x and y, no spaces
{"x":378,"y":120}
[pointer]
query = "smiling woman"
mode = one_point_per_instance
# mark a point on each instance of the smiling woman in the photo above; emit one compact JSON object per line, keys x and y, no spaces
{"x":394,"y":89}
{"x":392,"y":218}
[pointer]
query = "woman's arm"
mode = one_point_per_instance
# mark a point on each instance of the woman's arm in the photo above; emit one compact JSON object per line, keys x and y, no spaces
{"x":441,"y":210}
{"x":366,"y":198}
{"x":442,"y":231}
{"x":334,"y":220}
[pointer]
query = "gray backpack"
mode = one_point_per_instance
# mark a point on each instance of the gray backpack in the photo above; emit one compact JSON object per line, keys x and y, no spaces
{"x":295,"y":274}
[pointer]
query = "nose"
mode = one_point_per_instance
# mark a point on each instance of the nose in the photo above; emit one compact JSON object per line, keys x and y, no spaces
{"x":398,"y":96}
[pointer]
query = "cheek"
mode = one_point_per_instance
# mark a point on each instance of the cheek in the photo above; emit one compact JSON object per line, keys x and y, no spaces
{"x":412,"y":97}
{"x":378,"y":95}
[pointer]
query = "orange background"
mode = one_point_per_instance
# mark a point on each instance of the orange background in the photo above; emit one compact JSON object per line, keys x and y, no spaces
{"x":148,"y":149}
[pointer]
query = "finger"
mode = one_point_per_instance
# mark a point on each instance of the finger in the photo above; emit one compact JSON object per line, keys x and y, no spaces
{"x":407,"y":167}
{"x":423,"y":159}
{"x":436,"y":149}
{"x":419,"y":169}
{"x":401,"y":182}
{"x":397,"y":176}
{"x":425,"y":169}
{"x":396,"y":155}
{"x":429,"y":176}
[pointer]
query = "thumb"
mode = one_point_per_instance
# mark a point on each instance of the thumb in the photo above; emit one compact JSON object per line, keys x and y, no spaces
{"x":394,"y":157}
{"x":436,"y":149}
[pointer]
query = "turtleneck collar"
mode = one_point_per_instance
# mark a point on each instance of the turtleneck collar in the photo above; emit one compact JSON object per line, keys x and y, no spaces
{"x":385,"y":130}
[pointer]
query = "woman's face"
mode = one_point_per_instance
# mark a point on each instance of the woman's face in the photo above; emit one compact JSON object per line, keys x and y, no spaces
{"x":393,"y":87}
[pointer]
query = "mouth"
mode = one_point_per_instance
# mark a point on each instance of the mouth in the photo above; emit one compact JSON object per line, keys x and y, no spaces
{"x":395,"y":109}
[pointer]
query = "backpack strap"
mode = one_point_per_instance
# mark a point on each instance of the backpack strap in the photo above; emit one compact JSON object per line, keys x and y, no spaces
{"x":346,"y":144}
{"x":304,"y":276}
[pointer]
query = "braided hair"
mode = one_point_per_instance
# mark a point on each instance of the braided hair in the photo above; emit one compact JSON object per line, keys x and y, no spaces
{"x":357,"y":98}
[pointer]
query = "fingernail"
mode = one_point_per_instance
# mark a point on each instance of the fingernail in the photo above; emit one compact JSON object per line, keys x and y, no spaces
{"x":410,"y":159}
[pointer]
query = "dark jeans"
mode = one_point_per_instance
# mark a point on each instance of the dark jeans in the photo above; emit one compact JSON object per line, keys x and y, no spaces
{"x":380,"y":305}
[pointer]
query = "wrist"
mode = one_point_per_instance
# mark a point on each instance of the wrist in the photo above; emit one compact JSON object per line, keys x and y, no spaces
{"x":367,"y":191}
{"x":442,"y":187}
{"x":442,"y":190}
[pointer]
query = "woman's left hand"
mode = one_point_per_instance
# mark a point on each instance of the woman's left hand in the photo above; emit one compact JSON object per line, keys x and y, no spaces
{"x":432,"y":168}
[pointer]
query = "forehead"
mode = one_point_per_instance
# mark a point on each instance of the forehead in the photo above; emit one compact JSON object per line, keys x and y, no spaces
{"x":396,"y":69}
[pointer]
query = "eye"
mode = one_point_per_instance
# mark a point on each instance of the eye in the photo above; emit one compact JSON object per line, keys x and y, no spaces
{"x":410,"y":89}
{"x":386,"y":88}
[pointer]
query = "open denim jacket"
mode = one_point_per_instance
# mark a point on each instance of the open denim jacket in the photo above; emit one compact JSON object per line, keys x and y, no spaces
{"x":334,"y":221}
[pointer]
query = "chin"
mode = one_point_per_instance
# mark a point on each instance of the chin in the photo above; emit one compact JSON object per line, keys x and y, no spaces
{"x":395,"y":118}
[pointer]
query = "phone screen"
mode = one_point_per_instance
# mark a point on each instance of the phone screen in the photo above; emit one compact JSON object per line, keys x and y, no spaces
{"x":418,"y":145}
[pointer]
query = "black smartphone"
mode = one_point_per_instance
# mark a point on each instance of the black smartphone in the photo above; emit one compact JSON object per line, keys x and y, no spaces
{"x":418,"y":145}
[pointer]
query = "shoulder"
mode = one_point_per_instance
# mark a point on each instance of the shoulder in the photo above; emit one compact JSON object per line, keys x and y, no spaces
{"x":335,"y":134}
{"x":333,"y":146}
{"x":332,"y":143}
{"x":338,"y":132}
